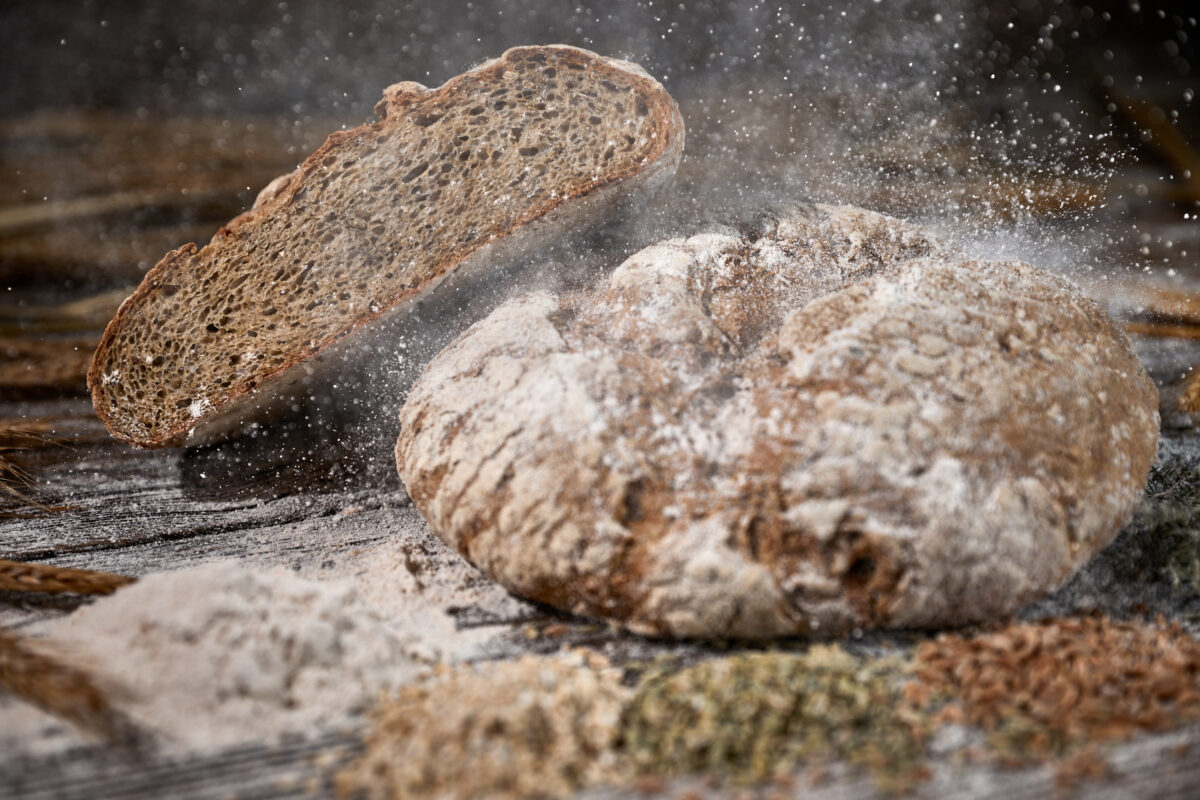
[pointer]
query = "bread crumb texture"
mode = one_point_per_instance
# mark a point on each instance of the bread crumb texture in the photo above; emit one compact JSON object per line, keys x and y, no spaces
{"x":377,"y":215}
{"x":827,"y":421}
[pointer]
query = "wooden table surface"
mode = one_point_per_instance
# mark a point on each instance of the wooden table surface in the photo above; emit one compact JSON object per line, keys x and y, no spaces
{"x":277,"y":500}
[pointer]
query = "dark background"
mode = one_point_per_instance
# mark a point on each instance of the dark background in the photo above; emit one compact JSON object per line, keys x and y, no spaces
{"x":240,"y":55}
{"x":953,"y":113}
{"x":303,"y":57}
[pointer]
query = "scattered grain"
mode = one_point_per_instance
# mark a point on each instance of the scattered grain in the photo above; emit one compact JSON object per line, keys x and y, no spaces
{"x":1162,"y":542}
{"x":1047,"y":689}
{"x":1088,"y":764}
{"x":757,"y":716}
{"x":536,"y":727}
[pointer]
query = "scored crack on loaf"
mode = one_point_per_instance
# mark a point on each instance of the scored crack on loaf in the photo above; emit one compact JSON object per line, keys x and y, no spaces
{"x":520,"y":150}
{"x":825,"y":422}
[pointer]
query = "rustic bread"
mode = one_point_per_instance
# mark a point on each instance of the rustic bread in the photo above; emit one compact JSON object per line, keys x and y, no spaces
{"x":825,"y":422}
{"x":376,"y":217}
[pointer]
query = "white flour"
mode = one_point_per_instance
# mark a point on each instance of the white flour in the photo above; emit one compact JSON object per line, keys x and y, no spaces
{"x":222,"y":654}
{"x":244,"y":652}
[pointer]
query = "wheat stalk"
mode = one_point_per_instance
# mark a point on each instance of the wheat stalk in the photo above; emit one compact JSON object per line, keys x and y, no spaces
{"x":61,"y":690}
{"x":18,"y":576}
{"x":15,"y":481}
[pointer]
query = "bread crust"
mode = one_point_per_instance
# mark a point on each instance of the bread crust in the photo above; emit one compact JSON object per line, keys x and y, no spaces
{"x":827,"y":422}
{"x":180,"y":265}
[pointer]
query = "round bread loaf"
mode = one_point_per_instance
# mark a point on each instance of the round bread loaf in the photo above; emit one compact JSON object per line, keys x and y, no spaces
{"x":827,"y":422}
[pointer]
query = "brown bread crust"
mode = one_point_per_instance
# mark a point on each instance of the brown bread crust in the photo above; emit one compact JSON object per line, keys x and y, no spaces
{"x":828,"y":422}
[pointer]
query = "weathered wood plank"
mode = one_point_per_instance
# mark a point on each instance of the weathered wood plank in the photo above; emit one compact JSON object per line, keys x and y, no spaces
{"x":116,"y":497}
{"x":44,"y":367}
{"x":308,"y":497}
{"x":271,"y":501}
{"x":1158,"y":766}
{"x":301,"y":769}
{"x":99,"y":197}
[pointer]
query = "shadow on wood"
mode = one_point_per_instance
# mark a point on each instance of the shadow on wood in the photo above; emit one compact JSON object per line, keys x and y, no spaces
{"x":318,"y":451}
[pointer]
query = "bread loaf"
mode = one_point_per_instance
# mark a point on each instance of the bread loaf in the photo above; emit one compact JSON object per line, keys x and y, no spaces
{"x":826,"y":421}
{"x":459,"y":178}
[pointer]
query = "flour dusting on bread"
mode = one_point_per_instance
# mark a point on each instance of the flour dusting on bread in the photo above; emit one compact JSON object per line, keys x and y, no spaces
{"x":822,"y":421}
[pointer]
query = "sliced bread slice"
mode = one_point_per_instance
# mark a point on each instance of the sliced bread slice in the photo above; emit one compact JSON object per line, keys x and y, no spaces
{"x":523,"y":148}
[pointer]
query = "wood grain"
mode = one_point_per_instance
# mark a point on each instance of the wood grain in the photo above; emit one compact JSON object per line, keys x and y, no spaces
{"x":99,"y":197}
{"x":282,"y":498}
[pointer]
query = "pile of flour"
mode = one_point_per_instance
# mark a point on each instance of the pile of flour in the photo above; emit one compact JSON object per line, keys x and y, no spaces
{"x":222,"y":654}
